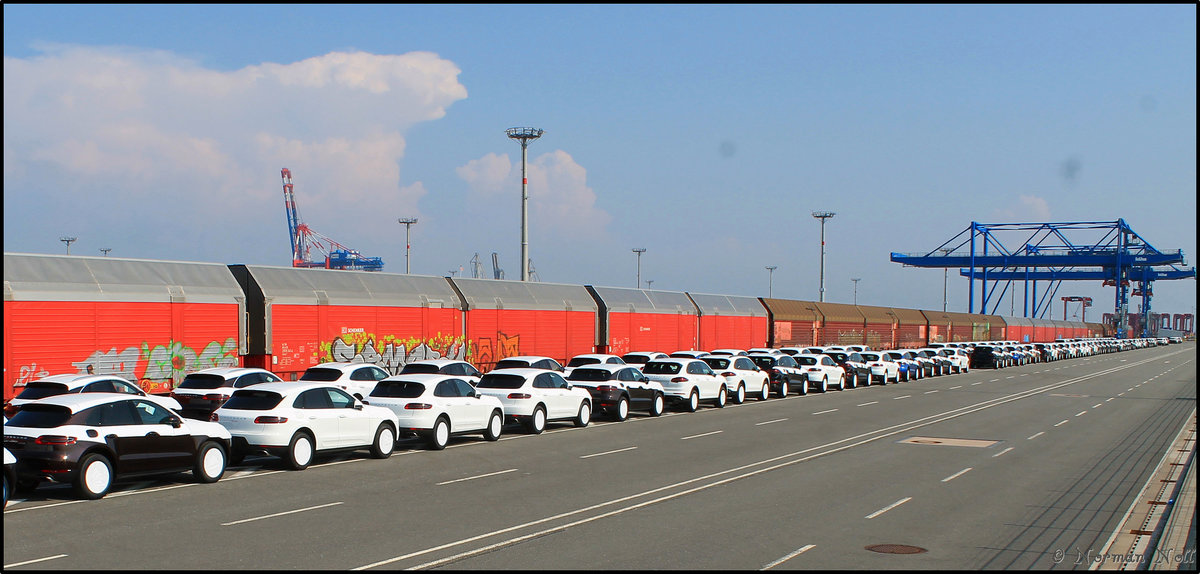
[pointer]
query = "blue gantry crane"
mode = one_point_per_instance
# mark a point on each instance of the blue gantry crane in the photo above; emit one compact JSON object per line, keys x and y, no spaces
{"x":1055,"y":252}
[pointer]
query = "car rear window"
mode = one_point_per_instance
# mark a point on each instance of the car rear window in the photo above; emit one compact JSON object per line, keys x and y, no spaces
{"x":581,"y":361}
{"x":764,"y":362}
{"x":839,"y":357}
{"x":202,"y":381}
{"x":490,"y":381}
{"x":805,"y":359}
{"x":321,"y":375}
{"x":38,"y":390}
{"x":870,"y":356}
{"x":585,"y":374}
{"x":716,"y":362}
{"x":398,"y":389}
{"x":512,"y":364}
{"x":40,"y":416}
{"x":660,"y":368}
{"x":635,"y":358}
{"x":415,"y":368}
{"x":253,"y":400}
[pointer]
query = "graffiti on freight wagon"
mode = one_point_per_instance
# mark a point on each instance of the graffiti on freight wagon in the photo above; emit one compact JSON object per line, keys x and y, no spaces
{"x":395,"y":352}
{"x":488,"y":353}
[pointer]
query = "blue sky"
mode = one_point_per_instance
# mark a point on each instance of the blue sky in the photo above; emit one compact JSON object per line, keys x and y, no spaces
{"x":705,"y":134}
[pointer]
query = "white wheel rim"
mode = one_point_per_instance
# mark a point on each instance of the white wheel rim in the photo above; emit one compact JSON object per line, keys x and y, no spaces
{"x":495,"y":425}
{"x":302,"y":451}
{"x":539,"y":419}
{"x":442,"y":432}
{"x":97,"y":476}
{"x":623,"y":409}
{"x":214,"y":462}
{"x":783,"y":390}
{"x":658,"y":404}
{"x":766,"y":391}
{"x":694,"y":400}
{"x":387,"y":442}
{"x":585,"y":413}
{"x":741,"y":395}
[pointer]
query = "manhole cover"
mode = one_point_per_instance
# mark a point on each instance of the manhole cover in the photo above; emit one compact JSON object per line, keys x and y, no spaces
{"x":896,"y":549}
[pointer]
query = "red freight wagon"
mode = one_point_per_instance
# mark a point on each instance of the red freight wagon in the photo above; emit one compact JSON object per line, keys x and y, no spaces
{"x":939,"y":326}
{"x":911,"y":328}
{"x":794,"y":323}
{"x":730,"y":322}
{"x":643,"y":320}
{"x":147,"y":321}
{"x":841,"y":324}
{"x":1019,"y":329}
{"x":510,"y":318}
{"x":302,"y":317}
{"x":880,"y":327}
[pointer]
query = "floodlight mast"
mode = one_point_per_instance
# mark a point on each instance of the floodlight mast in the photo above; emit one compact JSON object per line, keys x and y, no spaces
{"x":822,"y":215}
{"x":68,"y":241}
{"x":408,"y":223}
{"x":639,"y":251}
{"x":524,"y":135}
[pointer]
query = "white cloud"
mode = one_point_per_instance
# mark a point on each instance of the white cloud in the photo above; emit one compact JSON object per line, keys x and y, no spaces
{"x":1030,"y":209}
{"x":135,"y":129}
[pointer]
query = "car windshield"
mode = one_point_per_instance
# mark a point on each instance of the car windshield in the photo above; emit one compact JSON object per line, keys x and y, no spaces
{"x":870,"y":356}
{"x":586,"y":374}
{"x":419,"y":368}
{"x":40,"y":416}
{"x":512,"y":364}
{"x":805,"y":359}
{"x":581,"y":361}
{"x":717,"y":362}
{"x":398,"y":389}
{"x":38,"y":390}
{"x":253,"y":400}
{"x":490,"y":381}
{"x":635,"y":358}
{"x":202,"y":381}
{"x":321,"y":375}
{"x":659,"y":368}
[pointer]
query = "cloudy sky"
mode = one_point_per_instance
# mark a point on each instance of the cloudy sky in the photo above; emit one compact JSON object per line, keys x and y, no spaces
{"x":706,"y":134}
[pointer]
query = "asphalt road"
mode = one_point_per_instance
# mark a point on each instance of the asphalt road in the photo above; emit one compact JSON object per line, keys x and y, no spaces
{"x":1016,"y":468}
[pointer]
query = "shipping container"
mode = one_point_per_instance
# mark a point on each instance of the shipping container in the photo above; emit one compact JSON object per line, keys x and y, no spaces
{"x":511,"y":318}
{"x":299,"y":317}
{"x":730,"y":322}
{"x":793,"y":323}
{"x":841,"y":324}
{"x":644,"y":320}
{"x":150,"y":322}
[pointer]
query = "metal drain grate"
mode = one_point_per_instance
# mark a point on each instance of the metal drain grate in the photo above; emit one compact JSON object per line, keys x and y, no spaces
{"x":896,"y":549}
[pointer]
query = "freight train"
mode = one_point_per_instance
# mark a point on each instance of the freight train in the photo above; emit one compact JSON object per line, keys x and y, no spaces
{"x":155,"y":321}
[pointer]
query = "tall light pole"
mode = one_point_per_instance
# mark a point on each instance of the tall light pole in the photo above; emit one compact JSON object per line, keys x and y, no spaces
{"x":945,"y":274}
{"x":822,"y":215}
{"x":771,"y":280}
{"x":68,"y":241}
{"x":649,"y":282}
{"x":524,"y":135}
{"x":105,"y":250}
{"x":856,"y":280}
{"x":639,"y":251}
{"x":408,"y":223}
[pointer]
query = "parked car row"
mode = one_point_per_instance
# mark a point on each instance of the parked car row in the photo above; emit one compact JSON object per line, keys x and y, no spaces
{"x":90,"y":430}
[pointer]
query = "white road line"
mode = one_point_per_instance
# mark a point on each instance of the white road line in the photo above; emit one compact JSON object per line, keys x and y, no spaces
{"x":957,"y":474}
{"x":769,"y":422}
{"x":1081,"y":413}
{"x":15,"y":564}
{"x":979,"y":383}
{"x":802,"y":550}
{"x":900,"y":397}
{"x":1012,"y":377}
{"x":1097,"y":405}
{"x":700,"y":435}
{"x":281,"y":514}
{"x":888,"y":507}
{"x":1109,"y":399}
{"x":609,"y":452}
{"x":1036,"y":435}
{"x":1024,"y":374}
{"x":1064,"y":421}
{"x":474,"y":477}
{"x":994,"y":380}
{"x":1002,"y":452}
{"x":823,"y":412}
{"x":933,"y":391}
{"x":958,"y":387}
{"x":870,"y":403}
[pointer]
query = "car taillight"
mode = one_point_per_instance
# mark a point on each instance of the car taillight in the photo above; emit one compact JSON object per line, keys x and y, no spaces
{"x":679,"y":380}
{"x":606,"y":388}
{"x":269,"y":420}
{"x":10,"y":410}
{"x":215,"y":397}
{"x":729,"y":374}
{"x":813,"y":369}
{"x":55,"y":440}
{"x":418,"y":406}
{"x":520,"y":396}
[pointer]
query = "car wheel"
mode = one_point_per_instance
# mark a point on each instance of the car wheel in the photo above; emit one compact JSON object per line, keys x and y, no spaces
{"x":8,"y":486}
{"x":440,"y":436}
{"x":622,"y":411}
{"x":585,"y":414}
{"x":765,"y":393}
{"x":93,"y":477}
{"x":783,"y":389}
{"x":385,"y":441}
{"x":537,"y":421}
{"x":740,"y":396}
{"x":803,"y":386}
{"x":658,"y":405}
{"x":693,"y":401}
{"x":210,"y":462}
{"x":825,"y":383}
{"x":842,"y":382}
{"x":495,"y":424}
{"x":722,"y":397}
{"x":299,"y":452}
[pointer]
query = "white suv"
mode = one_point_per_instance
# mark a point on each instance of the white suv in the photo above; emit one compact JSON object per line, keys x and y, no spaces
{"x":688,"y":381}
{"x":534,"y":397}
{"x":357,"y":379}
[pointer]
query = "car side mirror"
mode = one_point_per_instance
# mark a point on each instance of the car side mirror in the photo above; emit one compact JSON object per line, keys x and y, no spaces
{"x":175,"y":422}
{"x":358,"y":404}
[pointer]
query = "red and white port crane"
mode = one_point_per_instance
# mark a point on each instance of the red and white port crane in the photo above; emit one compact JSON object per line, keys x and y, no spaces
{"x":305,"y":239}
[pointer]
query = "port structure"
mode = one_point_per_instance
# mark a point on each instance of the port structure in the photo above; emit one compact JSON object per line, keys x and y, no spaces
{"x":1055,"y":252}
{"x":305,"y":240}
